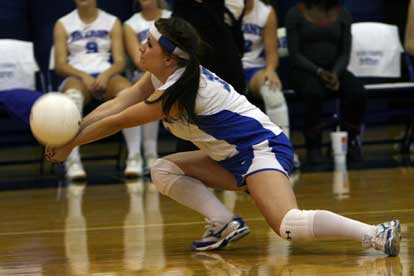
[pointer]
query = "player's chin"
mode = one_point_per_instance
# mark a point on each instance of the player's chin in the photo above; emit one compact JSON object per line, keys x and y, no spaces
{"x":142,"y":65}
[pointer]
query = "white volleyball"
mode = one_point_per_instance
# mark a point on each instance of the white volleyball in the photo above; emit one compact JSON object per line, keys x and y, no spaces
{"x":54,"y":119}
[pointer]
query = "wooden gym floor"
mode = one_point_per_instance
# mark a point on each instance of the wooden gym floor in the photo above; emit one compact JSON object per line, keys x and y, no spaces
{"x":129,"y":229}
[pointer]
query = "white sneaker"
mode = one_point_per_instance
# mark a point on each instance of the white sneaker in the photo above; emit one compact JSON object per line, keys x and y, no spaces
{"x":74,"y":170}
{"x":134,"y":166}
{"x":218,"y":234}
{"x":387,"y":238}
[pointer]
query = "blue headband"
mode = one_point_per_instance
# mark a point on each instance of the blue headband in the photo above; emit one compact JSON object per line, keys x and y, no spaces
{"x":167,"y":44}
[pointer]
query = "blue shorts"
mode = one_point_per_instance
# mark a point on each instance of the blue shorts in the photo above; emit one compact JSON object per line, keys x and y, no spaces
{"x":250,"y":72}
{"x":275,"y":153}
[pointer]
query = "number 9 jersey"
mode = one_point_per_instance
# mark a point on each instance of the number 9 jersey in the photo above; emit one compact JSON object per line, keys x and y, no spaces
{"x":89,"y":45}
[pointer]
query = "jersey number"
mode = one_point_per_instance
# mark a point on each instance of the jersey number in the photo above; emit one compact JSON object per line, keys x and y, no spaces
{"x":209,"y":75}
{"x":91,"y":47}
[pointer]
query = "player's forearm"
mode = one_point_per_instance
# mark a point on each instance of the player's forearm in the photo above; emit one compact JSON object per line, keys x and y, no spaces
{"x":66,"y":70}
{"x":271,"y":62}
{"x":104,"y":110}
{"x":116,"y":68}
{"x":96,"y":130}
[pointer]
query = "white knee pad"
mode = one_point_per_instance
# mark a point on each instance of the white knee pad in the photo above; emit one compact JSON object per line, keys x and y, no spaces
{"x":276,"y":107}
{"x":297,"y":225}
{"x":164,"y":174}
{"x":77,"y":97}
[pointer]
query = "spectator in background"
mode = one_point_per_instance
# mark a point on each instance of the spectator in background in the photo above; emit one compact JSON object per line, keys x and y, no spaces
{"x":136,"y":33}
{"x":319,"y":43}
{"x":218,"y":23}
{"x":223,"y":51}
{"x":89,"y":53}
{"x":260,"y":61}
{"x":409,"y":30}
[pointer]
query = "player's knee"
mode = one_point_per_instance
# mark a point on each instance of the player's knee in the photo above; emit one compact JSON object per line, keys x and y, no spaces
{"x":164,"y":174}
{"x":76,"y":96}
{"x":297,"y":225}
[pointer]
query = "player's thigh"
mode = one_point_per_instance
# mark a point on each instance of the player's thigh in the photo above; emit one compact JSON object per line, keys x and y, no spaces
{"x":257,"y":82}
{"x":273,"y":195}
{"x":199,"y":165}
{"x":76,"y":83}
{"x":115,"y":85}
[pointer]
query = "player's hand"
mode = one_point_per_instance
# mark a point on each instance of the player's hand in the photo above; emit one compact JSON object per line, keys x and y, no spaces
{"x":101,"y":82}
{"x":89,"y":82}
{"x":57,"y":154}
{"x":273,"y":79}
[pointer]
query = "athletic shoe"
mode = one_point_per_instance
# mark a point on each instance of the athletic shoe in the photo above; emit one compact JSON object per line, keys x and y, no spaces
{"x":74,"y":170}
{"x":134,"y":166}
{"x":387,"y":238}
{"x":218,"y":234}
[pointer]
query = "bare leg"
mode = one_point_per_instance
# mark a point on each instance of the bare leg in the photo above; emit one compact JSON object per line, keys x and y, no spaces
{"x":273,"y":195}
{"x":198,"y":165}
{"x":77,"y":84}
{"x":115,"y":85}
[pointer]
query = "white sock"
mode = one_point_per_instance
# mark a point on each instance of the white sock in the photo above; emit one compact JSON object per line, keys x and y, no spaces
{"x":328,"y":224}
{"x":150,"y":139}
{"x":75,"y":155}
{"x":276,"y":107}
{"x":193,"y":194}
{"x":77,"y":97}
{"x":133,"y":140}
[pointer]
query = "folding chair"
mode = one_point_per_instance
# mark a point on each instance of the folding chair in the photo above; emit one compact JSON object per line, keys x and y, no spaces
{"x":378,"y":58}
{"x":21,"y":84}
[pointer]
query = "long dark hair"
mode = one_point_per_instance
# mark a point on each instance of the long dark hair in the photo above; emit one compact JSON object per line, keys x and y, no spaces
{"x":184,"y":90}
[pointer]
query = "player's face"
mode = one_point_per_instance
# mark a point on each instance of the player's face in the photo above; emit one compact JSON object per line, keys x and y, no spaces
{"x":151,"y":55}
{"x":148,"y":3}
{"x":85,"y":3}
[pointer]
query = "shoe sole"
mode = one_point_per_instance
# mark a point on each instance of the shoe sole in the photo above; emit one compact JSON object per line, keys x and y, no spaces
{"x":393,"y":246}
{"x":233,"y":236}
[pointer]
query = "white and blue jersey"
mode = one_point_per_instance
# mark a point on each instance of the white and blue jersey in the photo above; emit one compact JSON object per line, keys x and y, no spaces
{"x":252,"y":28}
{"x":89,"y":45}
{"x":231,"y":130}
{"x":141,"y":28}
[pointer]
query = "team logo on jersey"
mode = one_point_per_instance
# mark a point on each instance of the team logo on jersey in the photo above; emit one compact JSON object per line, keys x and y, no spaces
{"x":78,"y":35}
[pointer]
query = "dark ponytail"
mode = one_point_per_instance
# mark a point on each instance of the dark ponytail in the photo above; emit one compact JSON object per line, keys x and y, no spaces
{"x":184,"y":91}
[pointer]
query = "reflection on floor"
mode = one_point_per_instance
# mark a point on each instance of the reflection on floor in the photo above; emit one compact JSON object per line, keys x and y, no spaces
{"x":128,"y":228}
